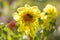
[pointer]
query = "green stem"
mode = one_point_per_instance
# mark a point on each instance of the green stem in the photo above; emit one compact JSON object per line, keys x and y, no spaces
{"x":45,"y":37}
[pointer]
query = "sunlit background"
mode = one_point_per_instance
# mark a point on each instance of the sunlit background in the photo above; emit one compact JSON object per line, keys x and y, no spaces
{"x":8,"y":7}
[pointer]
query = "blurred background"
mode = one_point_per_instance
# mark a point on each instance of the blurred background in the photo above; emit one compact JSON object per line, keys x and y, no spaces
{"x":8,"y":7}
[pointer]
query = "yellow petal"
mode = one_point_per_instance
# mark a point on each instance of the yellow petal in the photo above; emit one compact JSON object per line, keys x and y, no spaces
{"x":26,"y":5}
{"x":16,"y":16}
{"x":50,"y":9}
{"x":35,"y":8}
{"x":20,"y":9}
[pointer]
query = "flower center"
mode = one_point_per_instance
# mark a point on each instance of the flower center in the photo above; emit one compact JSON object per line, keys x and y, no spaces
{"x":28,"y":17}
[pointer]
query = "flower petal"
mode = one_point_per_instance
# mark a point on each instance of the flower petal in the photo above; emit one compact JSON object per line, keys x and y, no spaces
{"x":16,"y":16}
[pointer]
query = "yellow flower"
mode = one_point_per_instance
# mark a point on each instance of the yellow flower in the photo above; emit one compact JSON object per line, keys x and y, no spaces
{"x":27,"y":16}
{"x":49,"y":13}
{"x":50,"y":10}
